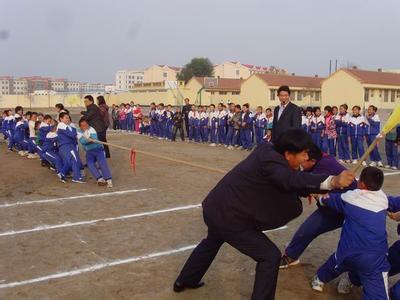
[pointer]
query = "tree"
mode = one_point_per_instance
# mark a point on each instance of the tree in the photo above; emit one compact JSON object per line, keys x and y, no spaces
{"x":198,"y":66}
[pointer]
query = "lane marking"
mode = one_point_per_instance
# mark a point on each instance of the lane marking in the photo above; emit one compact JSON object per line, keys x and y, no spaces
{"x":100,"y":266}
{"x":90,"y":222}
{"x":21,"y":203}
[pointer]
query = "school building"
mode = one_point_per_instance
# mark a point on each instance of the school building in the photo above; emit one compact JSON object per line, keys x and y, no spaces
{"x":362,"y":88}
{"x":158,"y":73}
{"x":237,"y":70}
{"x":261,"y":90}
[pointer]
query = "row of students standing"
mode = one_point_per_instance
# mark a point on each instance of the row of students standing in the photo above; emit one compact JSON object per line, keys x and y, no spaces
{"x":345,"y":135}
{"x":55,"y":143}
{"x":127,"y":117}
{"x":235,"y":126}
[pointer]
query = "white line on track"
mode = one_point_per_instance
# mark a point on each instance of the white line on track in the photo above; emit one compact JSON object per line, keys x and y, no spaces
{"x":90,"y":222}
{"x":100,"y":266}
{"x":393,"y":173}
{"x":21,"y":203}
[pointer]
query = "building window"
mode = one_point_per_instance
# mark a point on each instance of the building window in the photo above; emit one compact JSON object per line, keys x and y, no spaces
{"x":222,"y":93}
{"x":386,"y":95}
{"x":272,"y":96}
{"x":292,"y":95}
{"x":317,"y":96}
{"x":299,"y":96}
{"x":237,"y":72}
{"x":392,"y":95}
{"x":212,"y":93}
{"x":366,"y":95}
{"x":235,"y":93}
{"x":398,"y":94}
{"x":165,"y":74}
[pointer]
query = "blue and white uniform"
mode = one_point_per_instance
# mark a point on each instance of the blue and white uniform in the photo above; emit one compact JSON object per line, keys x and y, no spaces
{"x":246,"y":130}
{"x":317,"y":130}
{"x":213,"y":125}
{"x":204,"y":119}
{"x":373,"y":125}
{"x":357,"y":129}
{"x":363,"y":243}
{"x":222,"y":120}
{"x":50,"y":152}
{"x":259,"y":127}
{"x":67,"y":147}
{"x":306,"y":122}
{"x":342,"y":130}
{"x":169,"y":123}
{"x":194,"y":126}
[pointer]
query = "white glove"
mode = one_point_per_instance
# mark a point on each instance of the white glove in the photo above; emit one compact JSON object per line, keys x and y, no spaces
{"x":86,"y":135}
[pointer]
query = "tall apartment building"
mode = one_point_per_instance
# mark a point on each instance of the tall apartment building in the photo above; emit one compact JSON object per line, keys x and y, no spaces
{"x":6,"y":85}
{"x":126,"y":79}
{"x":59,"y":85}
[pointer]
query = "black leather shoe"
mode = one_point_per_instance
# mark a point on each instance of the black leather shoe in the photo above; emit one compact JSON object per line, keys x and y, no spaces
{"x":179,"y":287}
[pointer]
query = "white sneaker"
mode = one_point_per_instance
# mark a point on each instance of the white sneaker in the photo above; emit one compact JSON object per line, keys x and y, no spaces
{"x":31,"y":156}
{"x":354,"y":162}
{"x":364,"y":164}
{"x":109,"y":183}
{"x":316,"y":284}
{"x":101,"y":182}
{"x":341,"y":161}
{"x":21,"y":153}
{"x":344,"y":286}
{"x":213,"y":145}
{"x":387,"y":166}
{"x":230,"y":147}
{"x":372,"y":164}
{"x":394,"y":168}
{"x":348,"y":161}
{"x":380,"y":164}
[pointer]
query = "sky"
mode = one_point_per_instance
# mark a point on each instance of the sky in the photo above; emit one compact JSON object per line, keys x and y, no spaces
{"x":89,"y":40}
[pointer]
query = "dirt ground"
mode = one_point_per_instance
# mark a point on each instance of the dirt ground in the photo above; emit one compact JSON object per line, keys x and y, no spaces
{"x":132,"y":257}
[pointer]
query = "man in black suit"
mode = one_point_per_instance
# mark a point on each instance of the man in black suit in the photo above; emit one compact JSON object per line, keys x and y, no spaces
{"x":286,"y":115}
{"x":185,"y":111}
{"x":260,"y":193}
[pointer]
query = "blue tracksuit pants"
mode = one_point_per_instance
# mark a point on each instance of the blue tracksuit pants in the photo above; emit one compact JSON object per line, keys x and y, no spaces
{"x":343,"y":147}
{"x":368,"y":270}
{"x":98,"y":156}
{"x":357,"y":146}
{"x":374,"y":156}
{"x":319,"y":222}
{"x":55,"y":159}
{"x":71,"y":160}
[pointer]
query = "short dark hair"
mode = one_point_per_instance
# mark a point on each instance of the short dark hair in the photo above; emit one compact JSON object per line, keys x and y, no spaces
{"x":60,"y":106}
{"x":246,"y":105}
{"x":314,"y":153}
{"x":284,"y":88}
{"x":238,"y":106}
{"x":328,"y":108}
{"x":81,"y":120}
{"x":317,"y":108}
{"x":372,"y":178}
{"x":344,"y":105}
{"x":18,"y":108}
{"x":89,"y":97}
{"x":309,"y":109}
{"x":62,"y":115}
{"x":374,"y":108}
{"x":357,"y":107}
{"x":268,"y":109}
{"x":294,"y":141}
{"x":47,"y":117}
{"x":212,"y":105}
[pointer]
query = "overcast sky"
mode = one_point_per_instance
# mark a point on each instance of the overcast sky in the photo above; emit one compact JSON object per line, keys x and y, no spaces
{"x":90,"y":40}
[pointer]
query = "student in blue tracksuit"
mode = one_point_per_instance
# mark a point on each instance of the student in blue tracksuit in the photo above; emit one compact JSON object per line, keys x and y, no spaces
{"x":323,"y":219}
{"x":317,"y":127}
{"x":67,"y":147}
{"x":44,"y":128}
{"x":20,"y":136}
{"x":213,"y":125}
{"x":246,"y":127}
{"x":194,"y":124}
{"x":204,"y":120}
{"x":8,"y":127}
{"x":169,"y":122}
{"x":95,"y":155}
{"x":342,"y":130}
{"x":50,"y":151}
{"x":259,"y":125}
{"x":153,"y":120}
{"x":373,"y":129}
{"x":307,"y":120}
{"x":222,"y":118}
{"x":161,"y":121}
{"x":357,"y":126}
{"x":129,"y":118}
{"x":362,"y":249}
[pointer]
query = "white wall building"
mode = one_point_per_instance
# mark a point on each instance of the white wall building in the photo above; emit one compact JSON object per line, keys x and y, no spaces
{"x":6,"y":85}
{"x":126,"y":79}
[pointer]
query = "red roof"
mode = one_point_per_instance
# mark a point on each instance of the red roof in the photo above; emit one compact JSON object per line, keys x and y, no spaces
{"x":290,"y":80}
{"x":374,"y":77}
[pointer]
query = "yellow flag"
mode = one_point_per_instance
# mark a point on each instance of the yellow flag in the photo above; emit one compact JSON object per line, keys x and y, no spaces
{"x":393,"y":120}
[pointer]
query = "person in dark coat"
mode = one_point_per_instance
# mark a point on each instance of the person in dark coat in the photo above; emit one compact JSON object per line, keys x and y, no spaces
{"x":94,"y":117}
{"x":185,"y":111}
{"x":260,"y":193}
{"x":286,"y":115}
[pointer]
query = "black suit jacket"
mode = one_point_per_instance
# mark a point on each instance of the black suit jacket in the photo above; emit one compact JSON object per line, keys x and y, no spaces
{"x":94,"y":117}
{"x":260,"y":193}
{"x":290,"y":118}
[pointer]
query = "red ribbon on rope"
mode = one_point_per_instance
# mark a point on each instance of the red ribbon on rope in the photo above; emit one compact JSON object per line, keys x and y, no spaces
{"x":133,"y":160}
